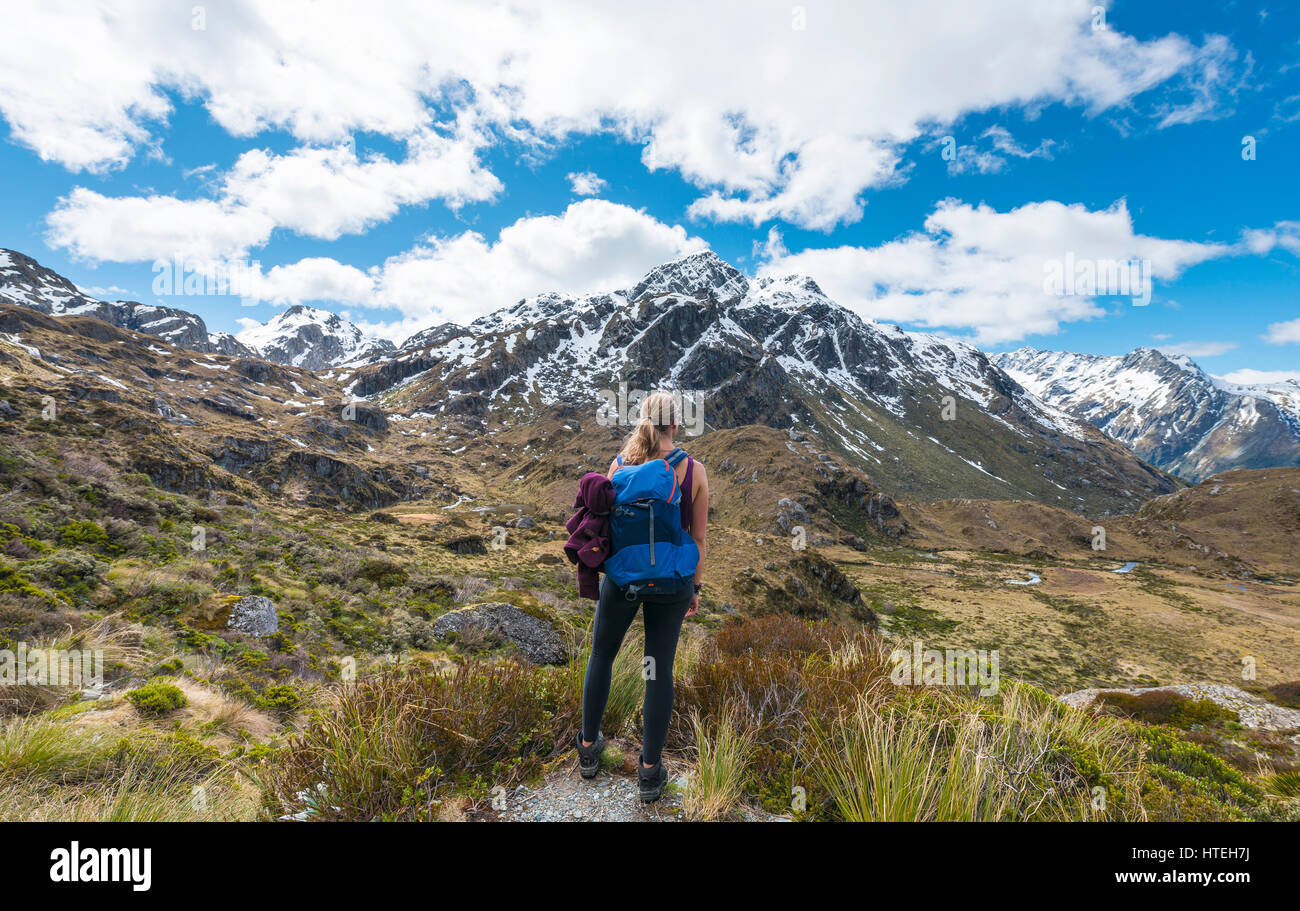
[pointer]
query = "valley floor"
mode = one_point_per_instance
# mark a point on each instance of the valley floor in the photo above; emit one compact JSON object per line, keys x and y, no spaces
{"x":1084,"y":624}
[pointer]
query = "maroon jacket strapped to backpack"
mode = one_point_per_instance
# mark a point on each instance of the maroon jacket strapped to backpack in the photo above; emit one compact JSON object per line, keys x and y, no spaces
{"x":588,"y":528}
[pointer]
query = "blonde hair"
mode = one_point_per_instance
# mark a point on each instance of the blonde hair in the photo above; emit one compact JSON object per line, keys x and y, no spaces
{"x":658,"y":417}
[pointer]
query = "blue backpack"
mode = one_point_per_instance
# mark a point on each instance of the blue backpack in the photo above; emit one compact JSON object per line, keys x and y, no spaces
{"x":651,"y":552}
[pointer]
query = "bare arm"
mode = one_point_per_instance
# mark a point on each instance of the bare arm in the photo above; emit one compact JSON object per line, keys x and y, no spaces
{"x":700,"y":515}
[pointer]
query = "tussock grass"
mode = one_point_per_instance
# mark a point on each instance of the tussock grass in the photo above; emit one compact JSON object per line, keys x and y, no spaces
{"x":721,"y":758}
{"x":947,"y":757}
{"x":118,"y":643}
{"x":140,"y":793}
{"x":391,"y":746}
{"x":36,"y":748}
{"x":1284,"y":785}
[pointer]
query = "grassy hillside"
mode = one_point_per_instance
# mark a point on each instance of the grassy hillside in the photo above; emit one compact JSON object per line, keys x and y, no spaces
{"x":166,"y":489}
{"x":103,"y":560}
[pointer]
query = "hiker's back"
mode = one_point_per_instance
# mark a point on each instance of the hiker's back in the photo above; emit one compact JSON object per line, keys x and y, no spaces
{"x":651,"y":552}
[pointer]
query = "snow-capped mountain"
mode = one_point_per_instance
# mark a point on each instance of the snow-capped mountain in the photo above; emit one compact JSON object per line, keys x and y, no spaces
{"x":303,"y":336}
{"x":920,"y":414}
{"x":25,"y":282}
{"x":1166,"y":409}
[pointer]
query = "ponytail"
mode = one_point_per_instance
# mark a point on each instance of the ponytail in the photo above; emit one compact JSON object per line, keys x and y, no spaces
{"x":658,"y":415}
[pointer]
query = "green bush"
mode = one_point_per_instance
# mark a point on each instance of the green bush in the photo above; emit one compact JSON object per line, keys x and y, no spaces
{"x":1191,"y":772}
{"x":1166,"y":707}
{"x":157,"y":698}
{"x":68,"y":571}
{"x":383,"y":572}
{"x":15,"y":583}
{"x":280,"y":697}
{"x":83,"y":535}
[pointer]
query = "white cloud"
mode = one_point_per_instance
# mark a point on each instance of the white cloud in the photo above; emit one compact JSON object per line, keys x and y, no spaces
{"x":1004,"y":142}
{"x":1199,"y":349}
{"x":144,"y":228}
{"x":976,"y":269}
{"x":993,"y":159}
{"x":1250,"y":377}
{"x":592,"y":246}
{"x":586,"y":183}
{"x":315,"y":279}
{"x":769,"y":121}
{"x":1284,"y":234}
{"x":1287,"y":333}
{"x":316,"y":192}
{"x":112,"y":292}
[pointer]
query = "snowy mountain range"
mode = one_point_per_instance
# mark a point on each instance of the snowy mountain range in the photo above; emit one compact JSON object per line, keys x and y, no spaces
{"x":1166,"y":409}
{"x":920,"y":414}
{"x":26,"y":282}
{"x":300,"y":336}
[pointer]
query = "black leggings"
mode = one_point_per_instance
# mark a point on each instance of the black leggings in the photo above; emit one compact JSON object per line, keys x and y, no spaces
{"x":663,"y":623}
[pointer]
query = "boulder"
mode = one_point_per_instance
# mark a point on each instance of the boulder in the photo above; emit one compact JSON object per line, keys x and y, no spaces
{"x":789,"y":515}
{"x":254,"y":615}
{"x":466,"y":544}
{"x":538,"y":639}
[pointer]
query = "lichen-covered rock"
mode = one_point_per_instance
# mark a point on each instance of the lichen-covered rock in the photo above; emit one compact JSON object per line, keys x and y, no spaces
{"x":538,"y":639}
{"x":789,"y":515}
{"x":254,"y":616}
{"x":466,"y":544}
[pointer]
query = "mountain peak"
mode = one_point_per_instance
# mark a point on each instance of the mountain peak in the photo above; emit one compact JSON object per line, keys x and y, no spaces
{"x":1154,"y":357}
{"x":303,"y":336}
{"x":702,"y":272}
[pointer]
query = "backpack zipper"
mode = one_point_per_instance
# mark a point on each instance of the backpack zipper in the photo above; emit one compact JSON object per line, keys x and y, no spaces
{"x":651,"y":514}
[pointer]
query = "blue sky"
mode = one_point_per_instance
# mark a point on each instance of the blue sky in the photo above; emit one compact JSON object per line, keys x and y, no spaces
{"x":419,"y":165}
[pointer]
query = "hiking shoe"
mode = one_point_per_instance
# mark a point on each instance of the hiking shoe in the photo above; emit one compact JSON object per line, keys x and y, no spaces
{"x":589,"y":757}
{"x":651,"y":781}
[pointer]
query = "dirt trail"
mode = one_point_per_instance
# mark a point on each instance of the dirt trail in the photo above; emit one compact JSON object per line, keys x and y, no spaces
{"x":564,"y":796}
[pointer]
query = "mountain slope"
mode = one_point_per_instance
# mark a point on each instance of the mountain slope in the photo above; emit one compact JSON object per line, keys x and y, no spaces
{"x":1166,"y":409}
{"x":314,"y":339}
{"x":924,"y":417}
{"x":25,"y":282}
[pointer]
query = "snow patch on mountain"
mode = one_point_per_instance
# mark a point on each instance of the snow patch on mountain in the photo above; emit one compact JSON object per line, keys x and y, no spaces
{"x":1166,"y":408}
{"x":26,"y":283}
{"x":313,"y":339}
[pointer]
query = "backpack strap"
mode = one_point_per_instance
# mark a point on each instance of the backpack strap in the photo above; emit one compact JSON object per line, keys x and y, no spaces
{"x":675,"y":456}
{"x":619,"y":459}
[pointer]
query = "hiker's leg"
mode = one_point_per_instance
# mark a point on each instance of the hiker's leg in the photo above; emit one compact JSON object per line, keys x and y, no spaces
{"x":614,"y":615}
{"x":663,"y":625}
